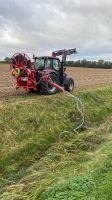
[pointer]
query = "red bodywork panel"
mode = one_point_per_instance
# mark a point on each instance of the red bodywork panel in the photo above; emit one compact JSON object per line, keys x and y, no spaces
{"x":27,"y":82}
{"x":27,"y":76}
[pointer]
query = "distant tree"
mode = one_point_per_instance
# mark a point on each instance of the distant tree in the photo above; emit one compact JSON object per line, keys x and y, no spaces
{"x":100,"y":63}
{"x":90,"y":64}
{"x":7,"y":59}
{"x":108,"y":65}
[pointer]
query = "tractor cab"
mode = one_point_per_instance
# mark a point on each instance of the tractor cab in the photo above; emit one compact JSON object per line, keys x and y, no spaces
{"x":47,"y":63}
{"x":54,"y":66}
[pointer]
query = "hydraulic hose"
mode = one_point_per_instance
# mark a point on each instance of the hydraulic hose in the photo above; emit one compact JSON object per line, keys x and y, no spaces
{"x":80,"y":106}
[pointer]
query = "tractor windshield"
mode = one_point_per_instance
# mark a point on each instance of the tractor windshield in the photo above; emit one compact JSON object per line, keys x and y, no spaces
{"x":48,"y":63}
{"x":39,"y":64}
{"x":43,"y":63}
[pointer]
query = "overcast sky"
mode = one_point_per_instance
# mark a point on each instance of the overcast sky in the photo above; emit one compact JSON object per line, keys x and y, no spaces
{"x":40,"y":26}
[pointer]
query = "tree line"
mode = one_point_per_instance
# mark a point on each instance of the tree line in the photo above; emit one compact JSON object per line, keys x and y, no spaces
{"x":90,"y":64}
{"x":81,"y":63}
{"x":6,"y":60}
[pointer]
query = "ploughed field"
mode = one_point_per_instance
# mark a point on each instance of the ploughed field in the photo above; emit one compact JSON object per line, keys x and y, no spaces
{"x":83,"y":77}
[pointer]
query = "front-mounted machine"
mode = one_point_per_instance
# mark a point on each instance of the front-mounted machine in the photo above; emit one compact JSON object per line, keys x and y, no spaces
{"x":46,"y":73}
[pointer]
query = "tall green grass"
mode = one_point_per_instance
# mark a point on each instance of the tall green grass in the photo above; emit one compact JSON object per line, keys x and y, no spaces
{"x":40,"y":161}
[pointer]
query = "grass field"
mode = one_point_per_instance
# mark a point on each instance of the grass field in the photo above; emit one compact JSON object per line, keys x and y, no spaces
{"x":39,"y":161}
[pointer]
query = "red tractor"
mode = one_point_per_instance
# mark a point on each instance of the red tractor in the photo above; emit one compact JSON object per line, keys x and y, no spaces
{"x":46,"y":73}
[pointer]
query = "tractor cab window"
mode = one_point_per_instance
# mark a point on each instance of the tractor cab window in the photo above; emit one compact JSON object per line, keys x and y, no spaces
{"x":56,"y":64}
{"x":39,"y":64}
{"x":48,"y":63}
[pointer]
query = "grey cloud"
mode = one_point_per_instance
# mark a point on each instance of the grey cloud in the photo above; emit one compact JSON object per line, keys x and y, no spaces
{"x":42,"y":26}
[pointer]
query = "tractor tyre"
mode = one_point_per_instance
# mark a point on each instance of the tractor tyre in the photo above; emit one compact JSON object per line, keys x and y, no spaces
{"x":47,"y":88}
{"x":69,"y":86}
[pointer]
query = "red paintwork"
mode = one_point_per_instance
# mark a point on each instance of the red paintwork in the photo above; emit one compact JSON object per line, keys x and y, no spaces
{"x":18,"y":63}
{"x":55,"y":85}
{"x":30,"y":73}
{"x":47,"y":71}
{"x":30,"y":83}
{"x":23,"y":62}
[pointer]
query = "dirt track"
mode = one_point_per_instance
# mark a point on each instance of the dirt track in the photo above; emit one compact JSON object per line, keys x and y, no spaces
{"x":83,"y":78}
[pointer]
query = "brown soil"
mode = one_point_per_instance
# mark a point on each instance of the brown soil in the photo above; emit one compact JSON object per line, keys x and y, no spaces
{"x":83,"y":78}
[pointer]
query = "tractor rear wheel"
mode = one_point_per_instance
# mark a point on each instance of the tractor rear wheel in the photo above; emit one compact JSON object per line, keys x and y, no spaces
{"x":70,"y":85}
{"x":47,"y":88}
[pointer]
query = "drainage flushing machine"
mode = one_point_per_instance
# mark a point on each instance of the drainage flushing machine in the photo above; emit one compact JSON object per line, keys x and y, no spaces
{"x":46,"y":73}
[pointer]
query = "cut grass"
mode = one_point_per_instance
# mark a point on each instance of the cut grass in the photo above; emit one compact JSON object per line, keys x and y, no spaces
{"x":40,"y":161}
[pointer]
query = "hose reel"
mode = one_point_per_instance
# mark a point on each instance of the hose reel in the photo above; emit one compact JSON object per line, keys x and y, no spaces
{"x":20,"y":63}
